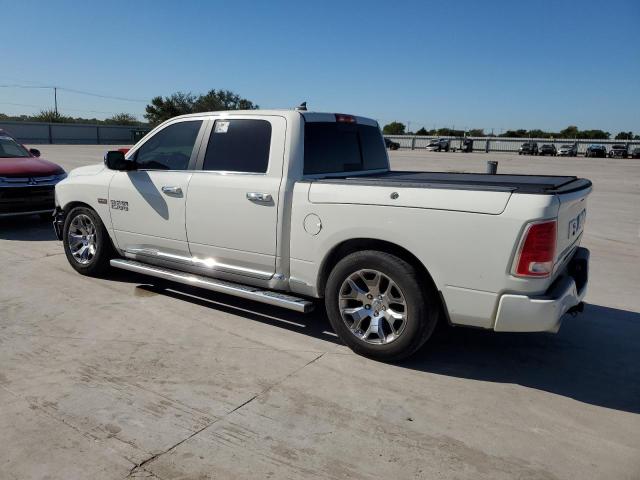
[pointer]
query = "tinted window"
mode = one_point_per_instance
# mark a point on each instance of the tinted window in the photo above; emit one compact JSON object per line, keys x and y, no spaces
{"x":10,"y":148}
{"x":170,"y":148}
{"x":239,"y":146}
{"x":333,"y":147}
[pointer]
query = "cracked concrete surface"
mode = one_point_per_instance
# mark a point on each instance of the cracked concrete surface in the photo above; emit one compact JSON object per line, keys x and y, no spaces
{"x":123,"y":377}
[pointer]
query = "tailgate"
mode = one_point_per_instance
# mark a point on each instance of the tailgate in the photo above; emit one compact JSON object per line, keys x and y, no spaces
{"x":571,"y":218}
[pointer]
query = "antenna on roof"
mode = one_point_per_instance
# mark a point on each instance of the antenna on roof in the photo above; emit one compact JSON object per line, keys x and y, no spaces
{"x":302,"y":107}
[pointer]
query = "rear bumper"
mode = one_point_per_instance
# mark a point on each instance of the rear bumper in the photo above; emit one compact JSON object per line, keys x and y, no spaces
{"x":521,"y":313}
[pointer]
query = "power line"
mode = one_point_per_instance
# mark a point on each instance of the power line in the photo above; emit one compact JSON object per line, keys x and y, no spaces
{"x":69,"y":109}
{"x":73,"y":90}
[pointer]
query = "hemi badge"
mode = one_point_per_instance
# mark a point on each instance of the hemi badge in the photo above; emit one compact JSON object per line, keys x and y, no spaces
{"x":102,"y":200}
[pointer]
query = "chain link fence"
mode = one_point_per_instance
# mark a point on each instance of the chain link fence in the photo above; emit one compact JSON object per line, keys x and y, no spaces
{"x":502,"y":144}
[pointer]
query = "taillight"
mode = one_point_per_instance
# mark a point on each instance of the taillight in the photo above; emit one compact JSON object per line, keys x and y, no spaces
{"x":342,"y":118}
{"x":537,"y":250}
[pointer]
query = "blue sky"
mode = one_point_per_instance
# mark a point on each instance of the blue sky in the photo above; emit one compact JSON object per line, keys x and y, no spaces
{"x":466,"y":64}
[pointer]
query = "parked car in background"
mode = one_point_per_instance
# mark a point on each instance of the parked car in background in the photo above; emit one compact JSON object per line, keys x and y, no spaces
{"x":309,"y":208}
{"x":568,"y":150}
{"x":594,"y":150}
{"x":618,"y":150}
{"x":635,"y":153}
{"x":27,"y":181}
{"x":528,"y":148}
{"x":548,"y":149}
{"x":439,"y":145}
{"x":390,"y":144}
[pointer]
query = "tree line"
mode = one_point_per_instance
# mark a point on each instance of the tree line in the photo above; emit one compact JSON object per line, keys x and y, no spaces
{"x":398,"y":128}
{"x":51,"y":116}
{"x":163,"y":108}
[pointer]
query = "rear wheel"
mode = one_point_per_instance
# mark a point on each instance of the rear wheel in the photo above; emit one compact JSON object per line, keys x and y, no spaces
{"x":378,"y":305}
{"x":86,"y":242}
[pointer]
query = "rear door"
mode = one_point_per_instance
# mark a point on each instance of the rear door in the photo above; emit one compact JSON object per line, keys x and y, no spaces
{"x":148,"y":205}
{"x":232,"y":205}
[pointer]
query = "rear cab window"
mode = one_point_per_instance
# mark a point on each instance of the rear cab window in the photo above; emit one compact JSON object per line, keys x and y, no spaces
{"x":340,"y":147}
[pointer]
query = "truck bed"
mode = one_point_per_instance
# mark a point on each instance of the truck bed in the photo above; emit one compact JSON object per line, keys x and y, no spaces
{"x":531,"y":184}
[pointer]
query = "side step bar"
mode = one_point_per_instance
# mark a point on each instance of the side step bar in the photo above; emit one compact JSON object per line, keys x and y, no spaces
{"x":236,"y":289}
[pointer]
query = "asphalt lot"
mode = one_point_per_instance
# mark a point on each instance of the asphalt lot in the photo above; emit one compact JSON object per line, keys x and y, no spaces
{"x":109,"y":378}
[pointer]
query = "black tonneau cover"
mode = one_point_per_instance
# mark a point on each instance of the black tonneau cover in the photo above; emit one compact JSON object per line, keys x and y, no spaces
{"x":536,"y":184}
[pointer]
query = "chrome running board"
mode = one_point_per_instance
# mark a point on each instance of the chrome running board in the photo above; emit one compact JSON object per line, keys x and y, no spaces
{"x":236,"y":289}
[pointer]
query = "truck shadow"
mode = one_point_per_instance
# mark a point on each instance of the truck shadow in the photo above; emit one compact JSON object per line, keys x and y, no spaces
{"x":595,"y":358}
{"x":314,"y":324}
{"x":28,"y":228}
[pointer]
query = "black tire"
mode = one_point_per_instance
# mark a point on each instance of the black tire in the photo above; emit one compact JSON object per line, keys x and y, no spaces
{"x":104,"y":251}
{"x":422,"y":305}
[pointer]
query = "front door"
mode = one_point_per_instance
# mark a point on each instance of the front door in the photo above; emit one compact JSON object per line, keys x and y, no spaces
{"x":148,"y":204}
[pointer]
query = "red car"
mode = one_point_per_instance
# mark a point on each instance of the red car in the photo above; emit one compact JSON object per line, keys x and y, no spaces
{"x":27,"y":182}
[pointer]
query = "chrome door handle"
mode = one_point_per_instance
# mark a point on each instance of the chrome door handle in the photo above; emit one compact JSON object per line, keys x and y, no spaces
{"x":172,"y":191}
{"x":259,"y":197}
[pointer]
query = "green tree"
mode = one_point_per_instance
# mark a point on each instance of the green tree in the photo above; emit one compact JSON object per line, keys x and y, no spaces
{"x":624,"y":136}
{"x":422,"y":131}
{"x":537,"y":133}
{"x":449,"y":132}
{"x":476,"y":132}
{"x":394,"y":128}
{"x":570,"y":132}
{"x":214,"y":101}
{"x":515,"y":133}
{"x":162,"y":109}
{"x":122,"y":119}
{"x":600,"y":134}
{"x":180,"y":103}
{"x":52,"y":116}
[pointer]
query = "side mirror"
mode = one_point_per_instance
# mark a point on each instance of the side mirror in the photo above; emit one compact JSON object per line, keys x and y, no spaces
{"x":35,"y":152}
{"x":114,"y":160}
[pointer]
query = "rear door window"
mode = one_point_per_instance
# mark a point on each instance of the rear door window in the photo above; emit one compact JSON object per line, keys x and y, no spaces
{"x":335,"y":147}
{"x":239,"y":145}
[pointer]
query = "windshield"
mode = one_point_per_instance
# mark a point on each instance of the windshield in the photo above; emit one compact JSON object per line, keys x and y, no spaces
{"x":9,"y":148}
{"x":566,"y":146}
{"x":333,"y":147}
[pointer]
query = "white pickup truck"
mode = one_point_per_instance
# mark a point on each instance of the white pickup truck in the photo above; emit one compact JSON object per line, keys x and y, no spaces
{"x":287,"y":207}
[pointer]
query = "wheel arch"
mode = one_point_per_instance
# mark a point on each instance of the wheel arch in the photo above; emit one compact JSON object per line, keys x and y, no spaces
{"x":346,"y":247}
{"x":106,"y":222}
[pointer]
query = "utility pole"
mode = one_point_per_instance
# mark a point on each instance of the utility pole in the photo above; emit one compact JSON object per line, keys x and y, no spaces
{"x":55,"y":99}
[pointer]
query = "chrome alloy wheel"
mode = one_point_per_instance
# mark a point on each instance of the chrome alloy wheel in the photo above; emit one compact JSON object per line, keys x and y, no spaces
{"x":82,"y":239}
{"x":373,"y":307}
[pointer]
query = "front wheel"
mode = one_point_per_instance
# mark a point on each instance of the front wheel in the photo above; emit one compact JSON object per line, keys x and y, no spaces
{"x":86,"y":242}
{"x":378,"y":305}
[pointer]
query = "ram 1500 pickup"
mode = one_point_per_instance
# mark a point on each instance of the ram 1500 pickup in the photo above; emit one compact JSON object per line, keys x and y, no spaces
{"x":288,"y":207}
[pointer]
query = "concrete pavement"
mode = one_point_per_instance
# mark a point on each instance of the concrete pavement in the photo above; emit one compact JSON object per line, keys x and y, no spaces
{"x":118,"y":377}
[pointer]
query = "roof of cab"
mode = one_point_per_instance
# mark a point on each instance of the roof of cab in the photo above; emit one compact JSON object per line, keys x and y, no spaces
{"x":308,"y":116}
